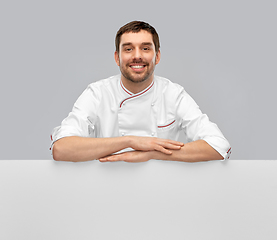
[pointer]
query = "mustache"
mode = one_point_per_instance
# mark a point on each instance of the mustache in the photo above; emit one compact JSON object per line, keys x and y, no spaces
{"x":138,"y":61}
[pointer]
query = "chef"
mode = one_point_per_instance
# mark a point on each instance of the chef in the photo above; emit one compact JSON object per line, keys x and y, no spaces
{"x":137,"y":116}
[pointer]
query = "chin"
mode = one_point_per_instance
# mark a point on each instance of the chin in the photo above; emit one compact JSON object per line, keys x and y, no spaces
{"x":135,"y":79}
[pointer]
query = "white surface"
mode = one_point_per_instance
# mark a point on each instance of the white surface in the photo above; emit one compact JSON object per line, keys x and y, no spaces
{"x":152,"y":200}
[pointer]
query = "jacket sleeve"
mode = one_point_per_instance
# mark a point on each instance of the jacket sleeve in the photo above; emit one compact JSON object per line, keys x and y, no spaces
{"x":197,"y":125}
{"x":82,"y":119}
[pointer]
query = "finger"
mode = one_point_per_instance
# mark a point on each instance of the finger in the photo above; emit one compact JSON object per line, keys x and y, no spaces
{"x":113,"y":158}
{"x":163,"y":150}
{"x":106,"y":159}
{"x":126,"y":156}
{"x":103,"y":160}
{"x":169,"y":145}
{"x":176,"y":143}
{"x":169,"y":142}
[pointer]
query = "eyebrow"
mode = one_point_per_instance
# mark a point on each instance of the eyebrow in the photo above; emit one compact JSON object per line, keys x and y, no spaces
{"x":144,"y":43}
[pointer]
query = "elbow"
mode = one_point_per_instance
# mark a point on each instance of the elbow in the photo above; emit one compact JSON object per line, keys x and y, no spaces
{"x":68,"y":149}
{"x":59,"y":152}
{"x":56,"y":152}
{"x":62,"y":151}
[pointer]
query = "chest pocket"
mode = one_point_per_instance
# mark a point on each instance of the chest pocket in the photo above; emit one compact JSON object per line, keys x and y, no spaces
{"x":168,"y":130}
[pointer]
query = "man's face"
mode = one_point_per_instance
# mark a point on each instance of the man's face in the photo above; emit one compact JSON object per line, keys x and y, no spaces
{"x":137,"y":56}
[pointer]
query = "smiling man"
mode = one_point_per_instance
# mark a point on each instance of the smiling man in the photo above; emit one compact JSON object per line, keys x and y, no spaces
{"x":137,"y":116}
{"x":137,"y":57}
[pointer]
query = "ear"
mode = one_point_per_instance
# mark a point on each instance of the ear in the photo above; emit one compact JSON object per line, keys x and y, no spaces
{"x":116,"y":58}
{"x":158,"y":57}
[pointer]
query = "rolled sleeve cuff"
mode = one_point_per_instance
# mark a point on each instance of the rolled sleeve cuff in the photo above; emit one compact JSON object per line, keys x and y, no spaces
{"x":221,"y":145}
{"x":61,"y":132}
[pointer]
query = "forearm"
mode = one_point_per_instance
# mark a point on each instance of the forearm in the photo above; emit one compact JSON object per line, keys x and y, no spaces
{"x":191,"y":152}
{"x":196,"y":151}
{"x":84,"y":149}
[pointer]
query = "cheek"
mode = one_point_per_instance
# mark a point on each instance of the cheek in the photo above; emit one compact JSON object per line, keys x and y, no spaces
{"x":123,"y":59}
{"x":153,"y":61}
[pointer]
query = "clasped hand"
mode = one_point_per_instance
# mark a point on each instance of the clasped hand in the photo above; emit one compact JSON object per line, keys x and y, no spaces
{"x":143,"y":149}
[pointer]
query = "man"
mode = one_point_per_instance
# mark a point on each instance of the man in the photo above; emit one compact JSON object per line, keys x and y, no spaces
{"x":137,"y":116}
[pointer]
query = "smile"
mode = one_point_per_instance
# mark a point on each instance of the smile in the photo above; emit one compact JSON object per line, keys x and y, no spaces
{"x":138,"y":66}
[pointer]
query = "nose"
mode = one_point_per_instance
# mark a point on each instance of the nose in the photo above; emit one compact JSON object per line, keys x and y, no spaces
{"x":137,"y":54}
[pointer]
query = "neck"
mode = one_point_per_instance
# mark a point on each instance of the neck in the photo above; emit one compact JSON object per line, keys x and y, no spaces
{"x":136,"y":87}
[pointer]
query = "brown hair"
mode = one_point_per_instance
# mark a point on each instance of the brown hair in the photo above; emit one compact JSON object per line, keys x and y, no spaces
{"x":135,"y":27}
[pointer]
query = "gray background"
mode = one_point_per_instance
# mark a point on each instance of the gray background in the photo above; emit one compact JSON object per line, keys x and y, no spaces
{"x":222,"y":52}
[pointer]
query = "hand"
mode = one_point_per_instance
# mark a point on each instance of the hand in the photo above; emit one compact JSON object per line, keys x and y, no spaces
{"x":152,"y":143}
{"x":132,"y":156}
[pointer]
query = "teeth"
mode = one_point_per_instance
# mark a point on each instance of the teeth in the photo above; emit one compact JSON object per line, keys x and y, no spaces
{"x":137,"y":66}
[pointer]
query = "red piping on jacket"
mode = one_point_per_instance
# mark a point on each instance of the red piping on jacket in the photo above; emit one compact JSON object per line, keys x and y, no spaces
{"x":229,"y":152}
{"x":137,"y":94}
{"x":166,"y":125}
{"x":124,"y":88}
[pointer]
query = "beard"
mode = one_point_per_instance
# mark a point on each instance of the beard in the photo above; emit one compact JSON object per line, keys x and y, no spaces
{"x":137,"y":77}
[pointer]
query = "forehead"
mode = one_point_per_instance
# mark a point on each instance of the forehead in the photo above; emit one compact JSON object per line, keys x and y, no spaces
{"x":136,"y":38}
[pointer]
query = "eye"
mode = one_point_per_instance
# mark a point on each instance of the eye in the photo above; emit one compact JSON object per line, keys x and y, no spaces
{"x":146,"y":49}
{"x":128,"y":49}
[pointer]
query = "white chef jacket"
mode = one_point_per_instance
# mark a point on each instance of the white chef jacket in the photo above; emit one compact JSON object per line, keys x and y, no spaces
{"x":164,"y":109}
